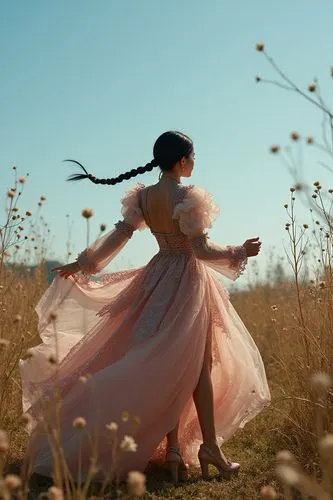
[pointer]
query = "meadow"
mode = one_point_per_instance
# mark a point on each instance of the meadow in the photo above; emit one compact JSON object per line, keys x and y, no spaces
{"x":287,"y":451}
{"x":291,"y":320}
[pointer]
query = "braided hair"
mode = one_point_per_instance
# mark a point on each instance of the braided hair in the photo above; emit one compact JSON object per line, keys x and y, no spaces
{"x":169,"y":148}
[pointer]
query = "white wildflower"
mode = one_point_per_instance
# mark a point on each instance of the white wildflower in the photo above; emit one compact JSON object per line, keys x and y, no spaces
{"x":268,"y":493}
{"x":284,"y":457}
{"x":79,"y":423}
{"x":13,"y":482}
{"x":321,"y":380}
{"x":112,"y":426}
{"x":136,"y":483}
{"x":55,"y":493}
{"x":4,"y":445}
{"x":287,"y":475}
{"x":128,"y":444}
{"x":4,"y":343}
{"x":326,"y":446}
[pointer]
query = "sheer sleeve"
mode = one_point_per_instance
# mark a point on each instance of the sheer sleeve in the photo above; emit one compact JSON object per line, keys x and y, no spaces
{"x":195,"y":214}
{"x":131,"y":208}
{"x":94,"y":258}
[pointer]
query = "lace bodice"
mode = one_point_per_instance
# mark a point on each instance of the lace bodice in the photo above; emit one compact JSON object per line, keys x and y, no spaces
{"x":157,"y":204}
{"x":173,"y":242}
{"x":178,"y":217}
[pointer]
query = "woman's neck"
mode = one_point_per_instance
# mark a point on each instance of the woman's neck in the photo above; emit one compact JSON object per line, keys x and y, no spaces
{"x":168,"y":176}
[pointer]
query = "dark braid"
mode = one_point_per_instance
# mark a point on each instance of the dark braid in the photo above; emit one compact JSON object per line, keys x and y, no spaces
{"x":169,"y":148}
{"x":115,"y":180}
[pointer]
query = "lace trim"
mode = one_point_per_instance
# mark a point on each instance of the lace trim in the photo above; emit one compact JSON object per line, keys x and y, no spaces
{"x":238,"y":259}
{"x":115,"y":277}
{"x":182,"y":192}
{"x":105,"y":278}
{"x":82,"y":278}
{"x":237,"y":256}
{"x":125,"y":227}
{"x":85,"y":258}
{"x":124,"y":299}
{"x":218,"y":319}
{"x":197,"y":241}
{"x":172,"y":241}
{"x":86,"y":262}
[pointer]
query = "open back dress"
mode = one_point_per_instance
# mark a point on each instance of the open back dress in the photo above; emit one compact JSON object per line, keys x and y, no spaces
{"x":128,"y":347}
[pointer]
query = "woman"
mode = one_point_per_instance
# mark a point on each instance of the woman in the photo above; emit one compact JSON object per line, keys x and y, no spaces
{"x":150,"y":338}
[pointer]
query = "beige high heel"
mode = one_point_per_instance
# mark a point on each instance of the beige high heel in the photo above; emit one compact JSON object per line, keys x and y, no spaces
{"x":176,"y":465}
{"x":208,"y":456}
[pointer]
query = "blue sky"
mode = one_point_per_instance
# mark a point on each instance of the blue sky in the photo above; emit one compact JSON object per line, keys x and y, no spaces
{"x":100,"y":81}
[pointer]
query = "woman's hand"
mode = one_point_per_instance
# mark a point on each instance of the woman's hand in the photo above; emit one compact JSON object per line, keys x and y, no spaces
{"x":67,"y":270}
{"x":252,"y":246}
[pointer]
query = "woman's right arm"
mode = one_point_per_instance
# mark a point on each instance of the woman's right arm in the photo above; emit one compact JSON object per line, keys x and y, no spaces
{"x":230,"y":260}
{"x":195,"y":214}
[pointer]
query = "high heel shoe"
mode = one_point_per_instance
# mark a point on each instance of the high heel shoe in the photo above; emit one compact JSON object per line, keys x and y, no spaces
{"x":176,"y":465}
{"x":208,"y":456}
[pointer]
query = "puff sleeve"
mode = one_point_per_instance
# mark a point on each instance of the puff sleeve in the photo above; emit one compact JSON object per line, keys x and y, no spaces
{"x":94,"y":258}
{"x":131,"y":210}
{"x":196,"y":213}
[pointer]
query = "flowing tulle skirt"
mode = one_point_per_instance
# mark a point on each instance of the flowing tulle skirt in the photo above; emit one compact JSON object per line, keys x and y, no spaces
{"x":140,"y":336}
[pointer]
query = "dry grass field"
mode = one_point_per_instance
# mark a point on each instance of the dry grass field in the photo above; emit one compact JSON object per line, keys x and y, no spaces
{"x":291,"y":321}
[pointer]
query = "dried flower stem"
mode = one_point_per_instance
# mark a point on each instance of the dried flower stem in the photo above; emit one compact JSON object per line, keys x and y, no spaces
{"x":296,"y":263}
{"x":292,"y":86}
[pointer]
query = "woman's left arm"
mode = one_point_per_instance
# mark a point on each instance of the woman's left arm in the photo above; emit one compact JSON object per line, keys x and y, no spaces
{"x":94,"y":258}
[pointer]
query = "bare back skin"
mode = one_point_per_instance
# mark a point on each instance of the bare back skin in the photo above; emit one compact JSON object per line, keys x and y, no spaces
{"x":157,"y":203}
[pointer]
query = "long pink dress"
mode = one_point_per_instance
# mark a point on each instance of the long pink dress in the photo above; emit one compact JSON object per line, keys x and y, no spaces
{"x":140,"y":334}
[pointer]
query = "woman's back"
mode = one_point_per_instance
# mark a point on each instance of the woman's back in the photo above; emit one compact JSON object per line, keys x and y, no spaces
{"x":157,"y":204}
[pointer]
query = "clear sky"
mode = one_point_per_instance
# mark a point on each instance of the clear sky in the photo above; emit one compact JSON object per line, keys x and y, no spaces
{"x":100,"y":81}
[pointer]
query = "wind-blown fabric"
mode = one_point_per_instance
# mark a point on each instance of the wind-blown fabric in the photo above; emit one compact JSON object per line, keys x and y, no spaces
{"x":140,"y":336}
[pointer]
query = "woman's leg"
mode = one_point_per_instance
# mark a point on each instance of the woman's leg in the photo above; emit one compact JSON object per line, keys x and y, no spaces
{"x":203,"y":397}
{"x":172,"y":437}
{"x":204,"y":402}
